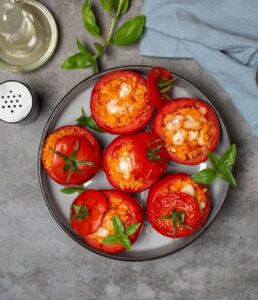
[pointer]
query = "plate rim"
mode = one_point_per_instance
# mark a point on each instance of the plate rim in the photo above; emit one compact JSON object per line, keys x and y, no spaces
{"x":40,"y":169}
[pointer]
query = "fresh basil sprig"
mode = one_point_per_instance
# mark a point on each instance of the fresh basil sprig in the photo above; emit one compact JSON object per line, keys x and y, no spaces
{"x":221,"y":167}
{"x":121,"y":234}
{"x":127,"y":34}
{"x":73,"y":189}
{"x":85,"y":121}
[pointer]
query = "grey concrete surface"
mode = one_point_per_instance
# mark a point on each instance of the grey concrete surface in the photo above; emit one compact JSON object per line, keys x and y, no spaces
{"x":39,"y":261}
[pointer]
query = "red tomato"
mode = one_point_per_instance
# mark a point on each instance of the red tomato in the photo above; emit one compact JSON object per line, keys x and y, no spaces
{"x":87,"y":211}
{"x":64,"y":142}
{"x":132,"y":163}
{"x":180,"y":183}
{"x":128,"y":210}
{"x":120,"y":104}
{"x":159,"y":76}
{"x":190,"y":129}
{"x":183,"y":206}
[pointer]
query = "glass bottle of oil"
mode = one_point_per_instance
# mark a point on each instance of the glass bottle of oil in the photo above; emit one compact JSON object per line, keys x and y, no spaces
{"x":28,"y":35}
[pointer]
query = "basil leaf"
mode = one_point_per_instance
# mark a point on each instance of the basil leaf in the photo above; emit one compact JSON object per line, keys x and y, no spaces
{"x":92,"y":124}
{"x":72,"y":190}
{"x":129,"y":32}
{"x":205,"y":176}
{"x":89,"y":19}
{"x":85,"y":121}
{"x":100,"y":49}
{"x":77,"y":61}
{"x":117,"y":225}
{"x":107,"y":5}
{"x":115,"y":6}
{"x":228,"y":158}
{"x":227,"y":175}
{"x":132,"y":229}
{"x":124,"y":240}
{"x":214,"y":160}
{"x":83,"y":49}
{"x":111,"y":239}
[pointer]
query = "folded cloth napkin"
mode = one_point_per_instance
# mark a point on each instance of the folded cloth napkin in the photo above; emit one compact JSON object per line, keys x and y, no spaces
{"x":222,"y":35}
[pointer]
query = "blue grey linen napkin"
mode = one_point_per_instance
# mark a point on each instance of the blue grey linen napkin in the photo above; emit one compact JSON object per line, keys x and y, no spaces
{"x":222,"y":35}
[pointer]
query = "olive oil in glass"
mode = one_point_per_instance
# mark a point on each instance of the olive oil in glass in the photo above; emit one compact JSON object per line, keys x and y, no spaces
{"x":28,"y":35}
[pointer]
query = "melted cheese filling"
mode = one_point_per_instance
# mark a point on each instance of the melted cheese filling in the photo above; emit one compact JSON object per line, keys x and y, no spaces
{"x":117,"y":207}
{"x":122,"y":101}
{"x":187,"y":132}
{"x":120,"y":168}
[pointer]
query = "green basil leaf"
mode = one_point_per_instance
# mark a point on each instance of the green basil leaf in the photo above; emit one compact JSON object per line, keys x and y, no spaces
{"x":132,"y":229}
{"x":100,"y":49}
{"x":227,"y":175}
{"x":228,"y":158}
{"x":129,"y":32}
{"x":124,"y":240}
{"x":214,"y":160}
{"x":83,"y":49}
{"x":92,"y":124}
{"x":205,"y":176}
{"x":124,"y":9}
{"x":85,"y":121}
{"x":107,"y":5}
{"x":111,"y":239}
{"x":73,"y":189}
{"x":117,"y":225}
{"x":77,"y":61}
{"x":89,"y":19}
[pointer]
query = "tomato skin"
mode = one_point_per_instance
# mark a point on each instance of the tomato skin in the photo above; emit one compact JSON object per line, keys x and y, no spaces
{"x":163,"y":206}
{"x":155,"y":96}
{"x":135,"y":126}
{"x":181,"y":103}
{"x":64,"y":138}
{"x":142,"y":167}
{"x":137,"y":216}
{"x":97,"y":205}
{"x":158,"y":189}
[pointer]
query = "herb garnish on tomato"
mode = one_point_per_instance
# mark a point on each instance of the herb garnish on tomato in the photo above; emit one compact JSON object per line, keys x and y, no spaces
{"x":121,"y":234}
{"x":71,"y":155}
{"x":122,"y":222}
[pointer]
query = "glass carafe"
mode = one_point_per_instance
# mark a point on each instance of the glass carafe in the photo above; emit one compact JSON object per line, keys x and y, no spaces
{"x":28,"y":35}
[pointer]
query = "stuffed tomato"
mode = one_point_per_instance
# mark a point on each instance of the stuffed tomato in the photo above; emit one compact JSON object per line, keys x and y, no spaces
{"x":71,"y":155}
{"x":120,"y":103}
{"x":190,"y":129}
{"x":118,"y":228}
{"x":159,"y":82}
{"x":177,"y":206}
{"x":133,"y":162}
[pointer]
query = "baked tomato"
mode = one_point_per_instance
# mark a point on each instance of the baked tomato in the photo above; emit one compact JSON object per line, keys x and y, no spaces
{"x":185,"y":190}
{"x":159,"y":83}
{"x":120,"y":103}
{"x":190,"y":129}
{"x":120,"y":226}
{"x":133,"y":162}
{"x":87,"y":211}
{"x":71,"y":155}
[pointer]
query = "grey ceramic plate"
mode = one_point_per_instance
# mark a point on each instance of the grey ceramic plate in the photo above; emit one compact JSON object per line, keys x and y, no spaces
{"x":150,"y":244}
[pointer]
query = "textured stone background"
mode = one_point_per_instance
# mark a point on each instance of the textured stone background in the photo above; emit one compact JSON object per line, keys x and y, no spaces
{"x":39,"y":261}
